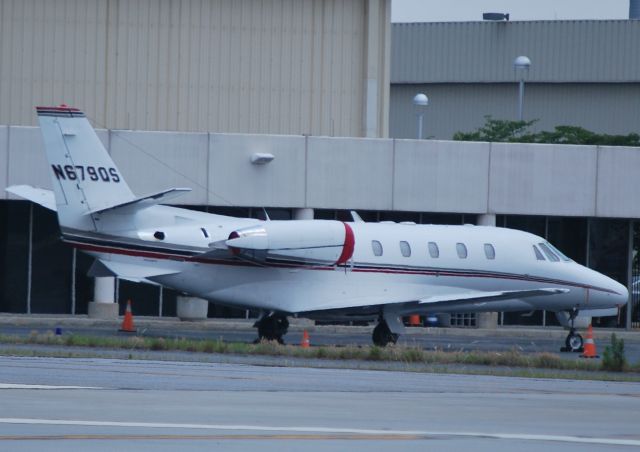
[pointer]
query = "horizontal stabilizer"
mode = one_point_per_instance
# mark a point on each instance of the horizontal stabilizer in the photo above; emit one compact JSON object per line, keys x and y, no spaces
{"x":485,"y":297}
{"x":143,"y":202}
{"x":40,"y":196}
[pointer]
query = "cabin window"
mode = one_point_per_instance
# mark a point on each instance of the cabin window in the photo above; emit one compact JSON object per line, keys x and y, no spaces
{"x":205,"y":233}
{"x":461,"y":248}
{"x":376,"y":247}
{"x":405,"y":249}
{"x":547,"y":252}
{"x":539,"y":255}
{"x":433,"y":250}
{"x":489,"y":251}
{"x":558,"y":252}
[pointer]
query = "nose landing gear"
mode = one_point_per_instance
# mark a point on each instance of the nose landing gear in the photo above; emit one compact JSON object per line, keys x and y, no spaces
{"x":573,"y":342}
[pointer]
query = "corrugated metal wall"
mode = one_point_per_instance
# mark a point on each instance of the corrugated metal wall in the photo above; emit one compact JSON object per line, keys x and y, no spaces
{"x":600,"y":107}
{"x":276,"y":66}
{"x":560,"y":51}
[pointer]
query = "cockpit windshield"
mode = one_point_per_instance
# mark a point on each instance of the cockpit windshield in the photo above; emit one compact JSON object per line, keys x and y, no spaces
{"x":558,"y":252}
{"x":547,"y":252}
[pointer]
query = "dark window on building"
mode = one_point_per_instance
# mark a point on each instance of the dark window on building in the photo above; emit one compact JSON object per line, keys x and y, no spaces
{"x":14,"y":243}
{"x":569,"y":235}
{"x":609,"y":247}
{"x":405,"y":248}
{"x":51,"y":266}
{"x":528,"y":223}
{"x":441,"y":218}
{"x":400,"y":216}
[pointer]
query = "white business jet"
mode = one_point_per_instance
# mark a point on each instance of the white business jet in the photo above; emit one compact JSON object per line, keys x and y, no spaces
{"x":319,"y":269}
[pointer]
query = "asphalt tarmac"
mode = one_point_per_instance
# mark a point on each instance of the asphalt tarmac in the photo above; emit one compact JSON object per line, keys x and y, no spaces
{"x":107,"y":404}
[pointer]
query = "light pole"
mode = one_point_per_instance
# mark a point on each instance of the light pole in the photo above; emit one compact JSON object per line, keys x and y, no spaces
{"x":521,"y":66}
{"x":420,"y":101}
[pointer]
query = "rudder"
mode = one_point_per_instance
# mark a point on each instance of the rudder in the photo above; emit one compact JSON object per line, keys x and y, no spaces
{"x":83,"y":175}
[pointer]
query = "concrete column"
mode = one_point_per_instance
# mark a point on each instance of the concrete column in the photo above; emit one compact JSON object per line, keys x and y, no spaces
{"x":303,"y":214}
{"x":377,"y":73}
{"x":487,"y":219}
{"x":487,"y":320}
{"x":103,"y":305}
{"x":191,"y":308}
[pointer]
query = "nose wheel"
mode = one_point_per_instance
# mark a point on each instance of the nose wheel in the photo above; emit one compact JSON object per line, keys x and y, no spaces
{"x":573,"y":342}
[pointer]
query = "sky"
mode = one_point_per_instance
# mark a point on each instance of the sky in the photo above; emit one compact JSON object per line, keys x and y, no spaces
{"x":466,"y":10}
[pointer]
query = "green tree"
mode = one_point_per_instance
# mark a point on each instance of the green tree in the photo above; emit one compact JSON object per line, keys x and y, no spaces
{"x":502,"y":130}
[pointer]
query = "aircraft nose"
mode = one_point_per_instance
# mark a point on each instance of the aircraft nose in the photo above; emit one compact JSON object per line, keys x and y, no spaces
{"x":617,"y":294}
{"x":623,"y":297}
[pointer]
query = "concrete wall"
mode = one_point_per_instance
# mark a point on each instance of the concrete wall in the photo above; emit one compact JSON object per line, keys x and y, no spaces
{"x":350,"y":173}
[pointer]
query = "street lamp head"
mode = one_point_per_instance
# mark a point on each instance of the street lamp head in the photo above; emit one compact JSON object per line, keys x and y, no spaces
{"x":521,"y":62}
{"x":420,"y":100}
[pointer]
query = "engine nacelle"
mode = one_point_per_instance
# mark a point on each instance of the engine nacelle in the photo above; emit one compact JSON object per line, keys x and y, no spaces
{"x":311,"y":242}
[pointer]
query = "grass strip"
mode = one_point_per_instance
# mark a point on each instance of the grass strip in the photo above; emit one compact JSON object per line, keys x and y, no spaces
{"x":397,"y":353}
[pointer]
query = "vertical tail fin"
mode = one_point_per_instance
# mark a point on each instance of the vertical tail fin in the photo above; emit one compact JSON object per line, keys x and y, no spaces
{"x":83,"y":175}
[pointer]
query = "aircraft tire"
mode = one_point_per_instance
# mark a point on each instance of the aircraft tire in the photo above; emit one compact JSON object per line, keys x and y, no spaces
{"x":272,"y":328}
{"x":382,"y":335}
{"x":574,"y":342}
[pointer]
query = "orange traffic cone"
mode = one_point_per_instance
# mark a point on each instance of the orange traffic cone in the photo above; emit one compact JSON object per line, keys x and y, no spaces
{"x":589,"y":345}
{"x":127,"y":323}
{"x":305,"y":340}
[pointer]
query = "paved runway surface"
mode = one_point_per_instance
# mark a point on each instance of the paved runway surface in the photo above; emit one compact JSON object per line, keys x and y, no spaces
{"x":100,"y":404}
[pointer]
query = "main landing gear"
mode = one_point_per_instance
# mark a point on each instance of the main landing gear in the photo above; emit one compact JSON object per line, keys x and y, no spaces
{"x":382,"y":335}
{"x":573,"y":342}
{"x":272,"y":327}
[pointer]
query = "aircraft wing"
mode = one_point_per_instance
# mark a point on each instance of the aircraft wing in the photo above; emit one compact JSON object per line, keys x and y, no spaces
{"x":476,"y":297}
{"x":40,"y":196}
{"x":443,"y":301}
